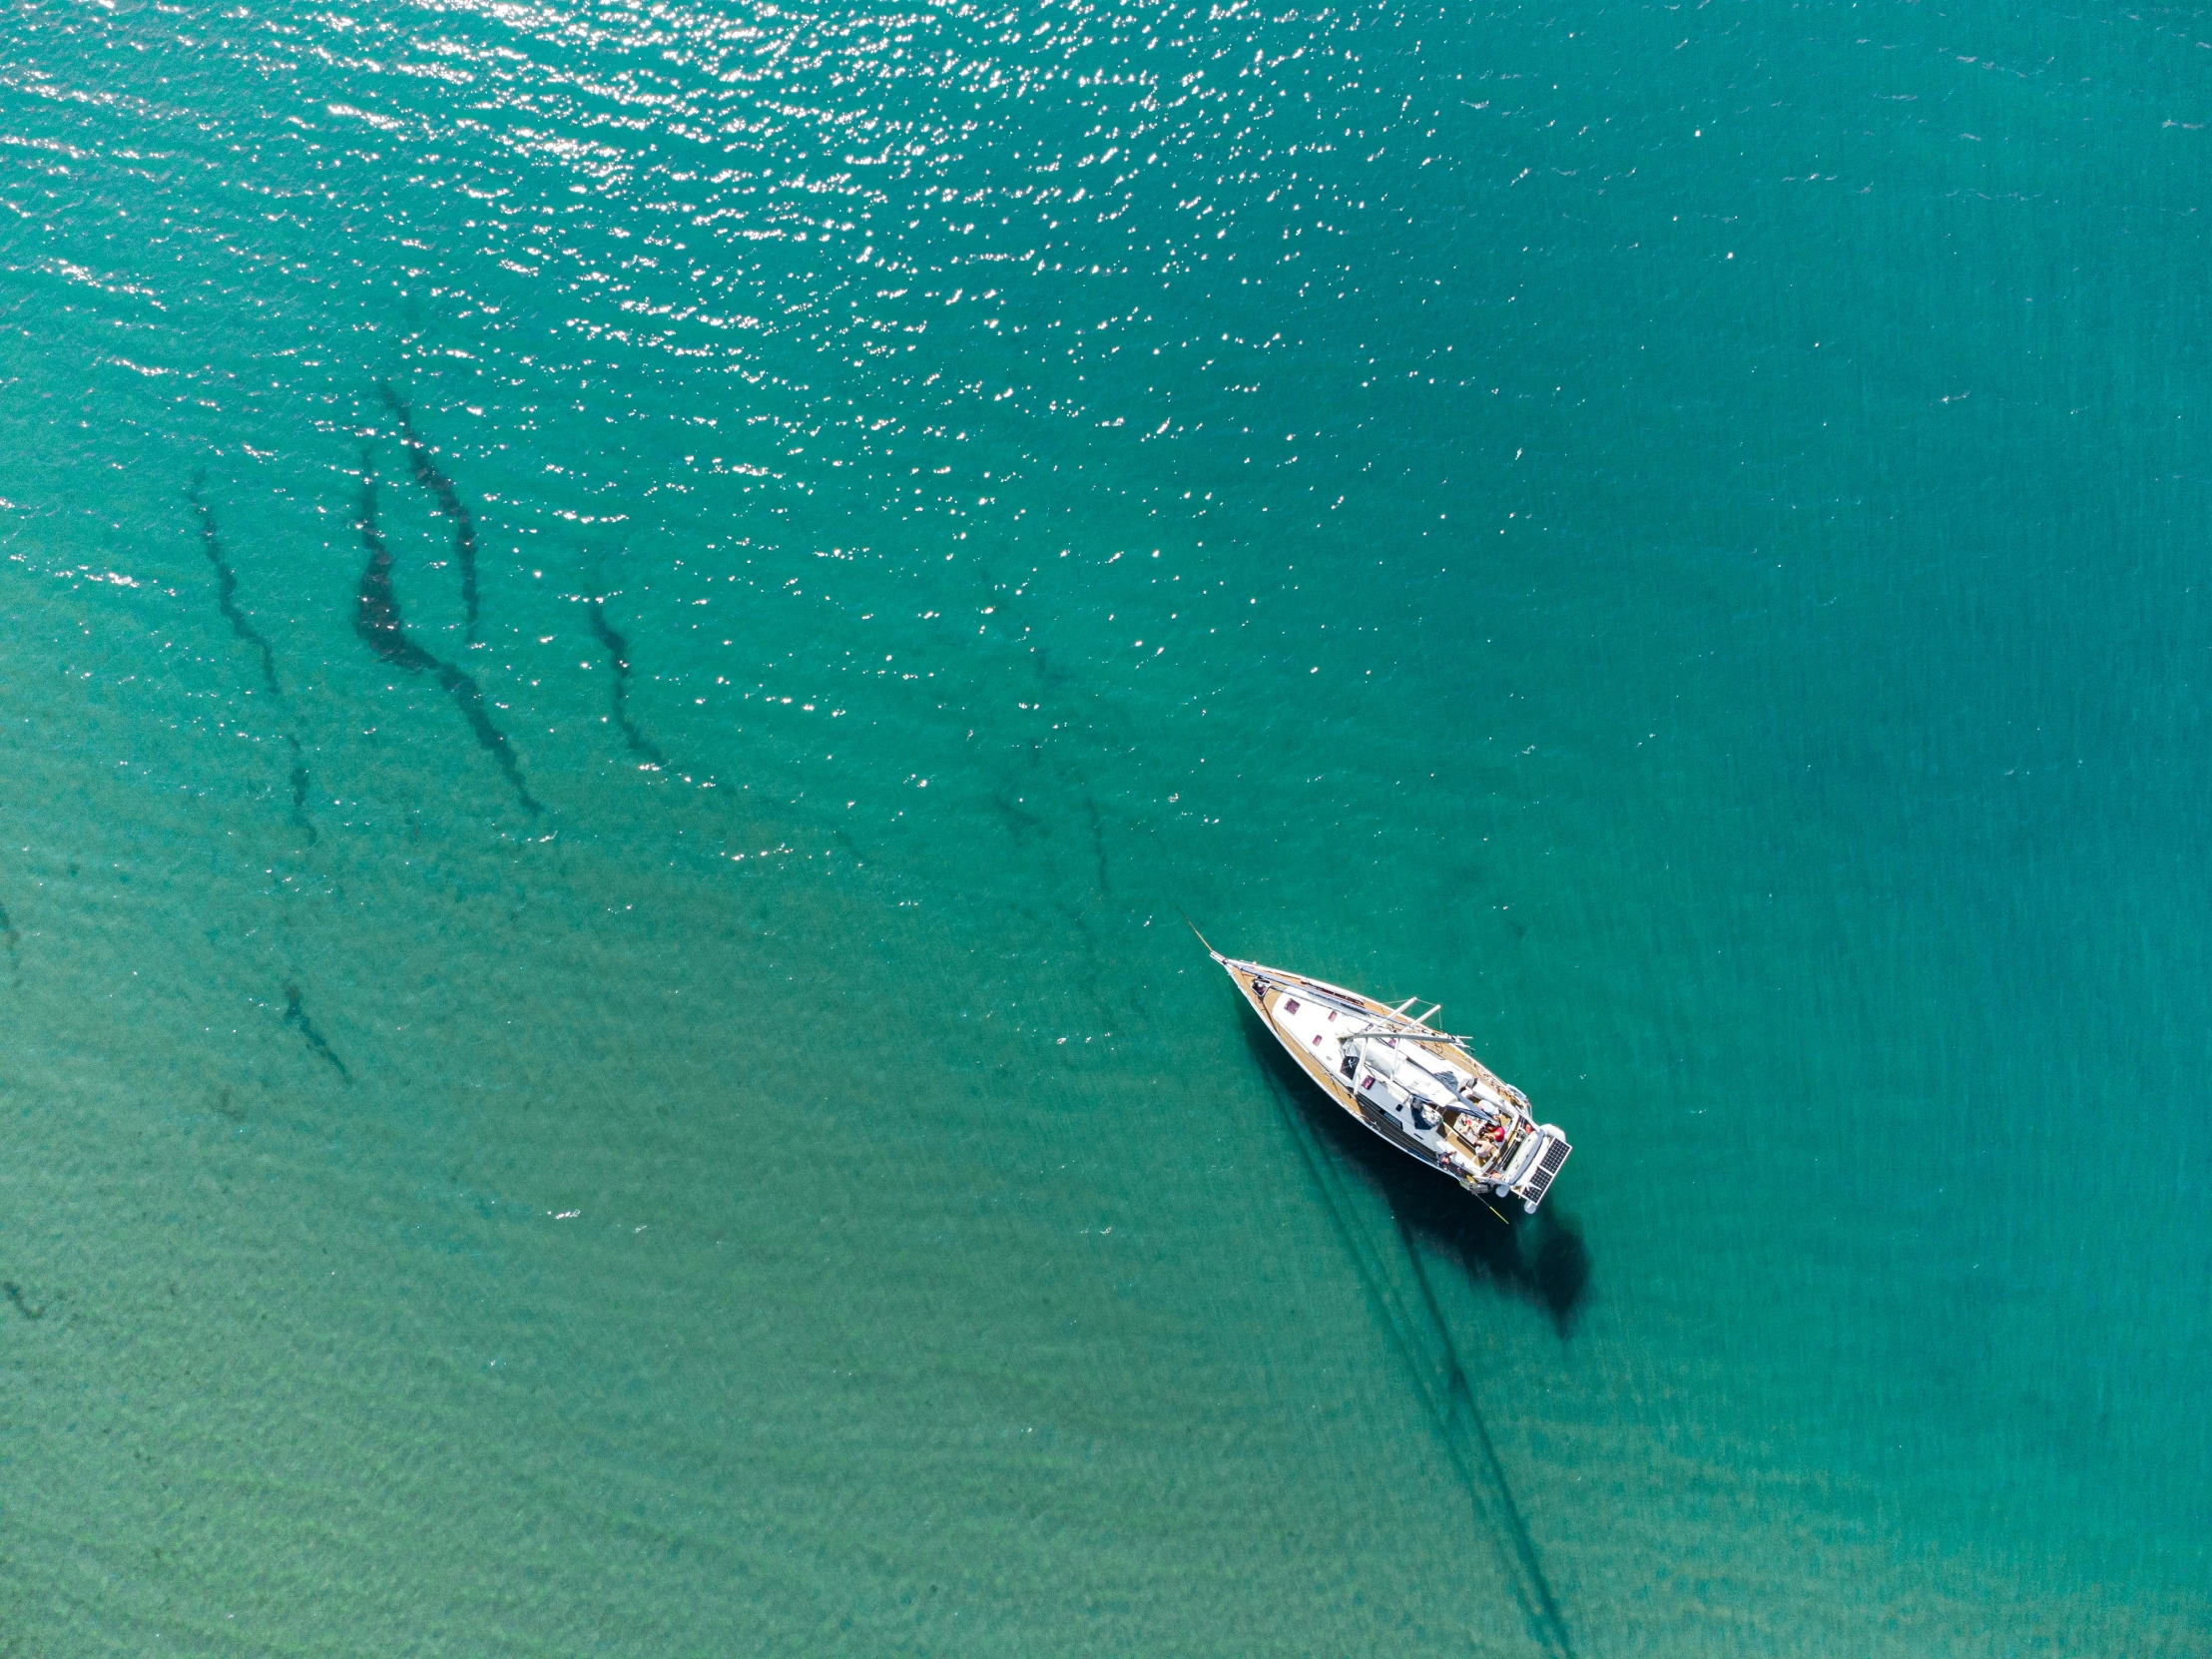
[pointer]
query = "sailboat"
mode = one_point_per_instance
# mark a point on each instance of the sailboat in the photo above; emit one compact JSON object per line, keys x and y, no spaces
{"x":1416,"y":1088}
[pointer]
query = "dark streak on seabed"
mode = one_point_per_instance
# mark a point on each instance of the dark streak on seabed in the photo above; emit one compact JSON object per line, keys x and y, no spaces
{"x":227,"y":587}
{"x":226,"y":583}
{"x":299,"y":783}
{"x":1676,"y":534}
{"x":618,"y":654}
{"x":377,"y":621}
{"x":432,"y":478}
{"x":295,"y":1016}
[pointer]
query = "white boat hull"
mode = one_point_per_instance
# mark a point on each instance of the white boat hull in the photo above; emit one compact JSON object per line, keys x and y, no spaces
{"x":1415,"y":1087}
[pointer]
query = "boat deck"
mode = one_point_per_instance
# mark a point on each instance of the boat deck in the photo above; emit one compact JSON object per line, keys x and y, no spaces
{"x":1266,"y":990}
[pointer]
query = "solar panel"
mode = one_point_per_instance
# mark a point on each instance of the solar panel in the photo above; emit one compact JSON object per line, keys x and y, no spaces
{"x":1534,"y":1188}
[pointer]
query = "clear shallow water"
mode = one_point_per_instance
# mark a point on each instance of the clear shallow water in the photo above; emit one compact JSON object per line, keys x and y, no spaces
{"x":1678,"y":534}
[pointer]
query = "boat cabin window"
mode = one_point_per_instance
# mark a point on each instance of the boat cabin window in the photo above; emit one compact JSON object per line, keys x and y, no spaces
{"x":1290,"y":1005}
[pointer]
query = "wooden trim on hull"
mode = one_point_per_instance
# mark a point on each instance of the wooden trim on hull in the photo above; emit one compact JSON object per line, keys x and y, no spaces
{"x":1258,"y":987}
{"x":1514,"y":1156}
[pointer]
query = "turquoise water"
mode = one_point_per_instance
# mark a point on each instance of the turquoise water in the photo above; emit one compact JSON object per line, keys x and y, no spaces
{"x":683,"y":1117}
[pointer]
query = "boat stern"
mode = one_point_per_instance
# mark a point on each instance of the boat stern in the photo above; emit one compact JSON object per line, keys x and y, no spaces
{"x":1539,"y":1165}
{"x":1300,"y":1012}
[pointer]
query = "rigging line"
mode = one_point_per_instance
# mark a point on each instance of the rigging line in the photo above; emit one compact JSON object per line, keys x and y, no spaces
{"x":1516,"y":1552}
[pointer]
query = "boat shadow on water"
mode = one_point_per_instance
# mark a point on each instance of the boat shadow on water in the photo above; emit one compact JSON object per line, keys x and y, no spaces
{"x":1539,"y":1259}
{"x":1434,"y":1223}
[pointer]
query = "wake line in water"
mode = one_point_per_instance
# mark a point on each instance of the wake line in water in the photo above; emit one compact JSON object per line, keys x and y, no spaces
{"x":1450,"y":1400}
{"x":376,"y":620}
{"x":449,"y":502}
{"x":1531,"y":1586}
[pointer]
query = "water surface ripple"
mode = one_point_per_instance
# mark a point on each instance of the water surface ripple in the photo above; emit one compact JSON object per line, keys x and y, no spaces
{"x":602,"y":1055}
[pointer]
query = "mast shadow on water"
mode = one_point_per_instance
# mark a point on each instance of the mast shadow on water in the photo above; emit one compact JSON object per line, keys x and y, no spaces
{"x":1538,"y":1258}
{"x":1428,"y":1214}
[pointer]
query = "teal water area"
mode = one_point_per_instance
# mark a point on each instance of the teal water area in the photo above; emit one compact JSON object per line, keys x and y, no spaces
{"x":624,"y":628}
